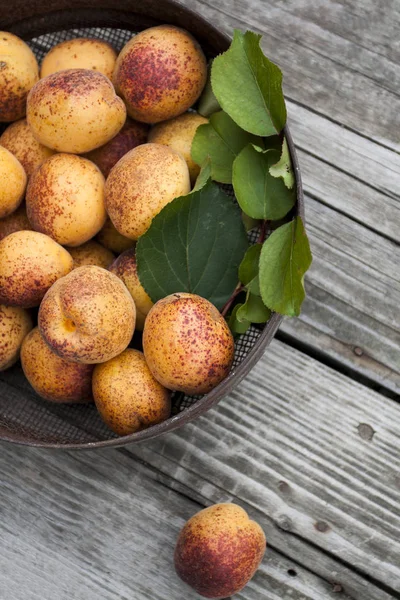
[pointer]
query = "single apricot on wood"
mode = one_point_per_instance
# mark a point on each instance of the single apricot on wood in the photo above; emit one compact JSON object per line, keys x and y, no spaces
{"x":187,"y":344}
{"x":219,"y":550}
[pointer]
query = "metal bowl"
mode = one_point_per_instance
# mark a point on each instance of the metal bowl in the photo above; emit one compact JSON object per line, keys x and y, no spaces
{"x":24,"y":417}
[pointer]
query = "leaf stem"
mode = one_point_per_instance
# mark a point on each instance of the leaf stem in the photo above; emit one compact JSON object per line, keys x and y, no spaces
{"x":239,"y":288}
{"x":263,"y":232}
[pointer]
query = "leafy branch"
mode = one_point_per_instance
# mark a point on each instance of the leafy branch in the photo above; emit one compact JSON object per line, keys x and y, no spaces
{"x":198,"y":242}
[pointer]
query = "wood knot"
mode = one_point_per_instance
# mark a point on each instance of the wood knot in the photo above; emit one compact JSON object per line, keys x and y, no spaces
{"x":365,"y":431}
{"x":321,"y":526}
{"x":284,"y":522}
{"x":284,"y":487}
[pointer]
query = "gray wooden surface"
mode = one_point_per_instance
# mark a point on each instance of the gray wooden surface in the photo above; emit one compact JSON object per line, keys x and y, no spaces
{"x":309,"y":442}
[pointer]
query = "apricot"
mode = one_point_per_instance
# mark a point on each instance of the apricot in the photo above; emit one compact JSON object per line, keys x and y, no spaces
{"x":219,"y":550}
{"x":126,"y":394}
{"x":91,"y":253}
{"x":30,"y":262}
{"x":141,"y":184}
{"x":65,"y":199}
{"x":12,"y":183}
{"x":80,"y":53}
{"x":87,"y":316}
{"x":18,"y":74}
{"x":110,"y":238}
{"x":160,"y":73}
{"x":17,"y":221}
{"x":125,"y":268}
{"x":15,"y":324}
{"x":178,"y":134}
{"x":52,"y":377}
{"x":187,"y":344}
{"x":19,"y":140}
{"x":131,"y":135}
{"x":74,"y":111}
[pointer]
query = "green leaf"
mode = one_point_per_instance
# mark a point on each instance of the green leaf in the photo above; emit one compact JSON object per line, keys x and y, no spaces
{"x":274,"y":142}
{"x":208,"y":104}
{"x":220,"y":140}
{"x":248,"y":86}
{"x":195,"y":244}
{"x":203,"y":176}
{"x":284,"y":259}
{"x":236,"y":326}
{"x":283,"y":167}
{"x":248,"y":269}
{"x":249,"y":223}
{"x":253,"y":310}
{"x":260,"y":194}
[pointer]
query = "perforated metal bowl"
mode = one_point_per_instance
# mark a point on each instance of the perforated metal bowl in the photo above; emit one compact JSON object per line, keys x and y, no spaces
{"x":24,"y":417}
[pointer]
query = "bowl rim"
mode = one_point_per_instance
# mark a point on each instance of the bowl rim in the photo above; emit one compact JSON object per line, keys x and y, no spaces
{"x":209,"y":400}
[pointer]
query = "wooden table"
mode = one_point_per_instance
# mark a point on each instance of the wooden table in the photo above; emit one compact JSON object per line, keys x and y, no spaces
{"x":309,"y":442}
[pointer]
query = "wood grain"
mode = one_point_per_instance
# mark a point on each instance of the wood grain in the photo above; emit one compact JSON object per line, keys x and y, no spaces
{"x":99,"y":525}
{"x":325,"y":69}
{"x":314,"y":451}
{"x":355,"y":176}
{"x":351,"y":312}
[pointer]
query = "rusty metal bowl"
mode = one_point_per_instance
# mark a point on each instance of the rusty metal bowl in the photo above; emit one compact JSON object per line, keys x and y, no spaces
{"x":24,"y":417}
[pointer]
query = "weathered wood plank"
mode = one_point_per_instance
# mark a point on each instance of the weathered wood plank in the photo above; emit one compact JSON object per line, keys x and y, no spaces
{"x":349,"y":173}
{"x":348,"y":81}
{"x":353,"y":292}
{"x":355,"y":155}
{"x":330,"y":325}
{"x":353,"y":198}
{"x":330,"y":570}
{"x":97,"y":525}
{"x":355,"y":265}
{"x":311,"y":449}
{"x":369,"y":24}
{"x":312,"y":337}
